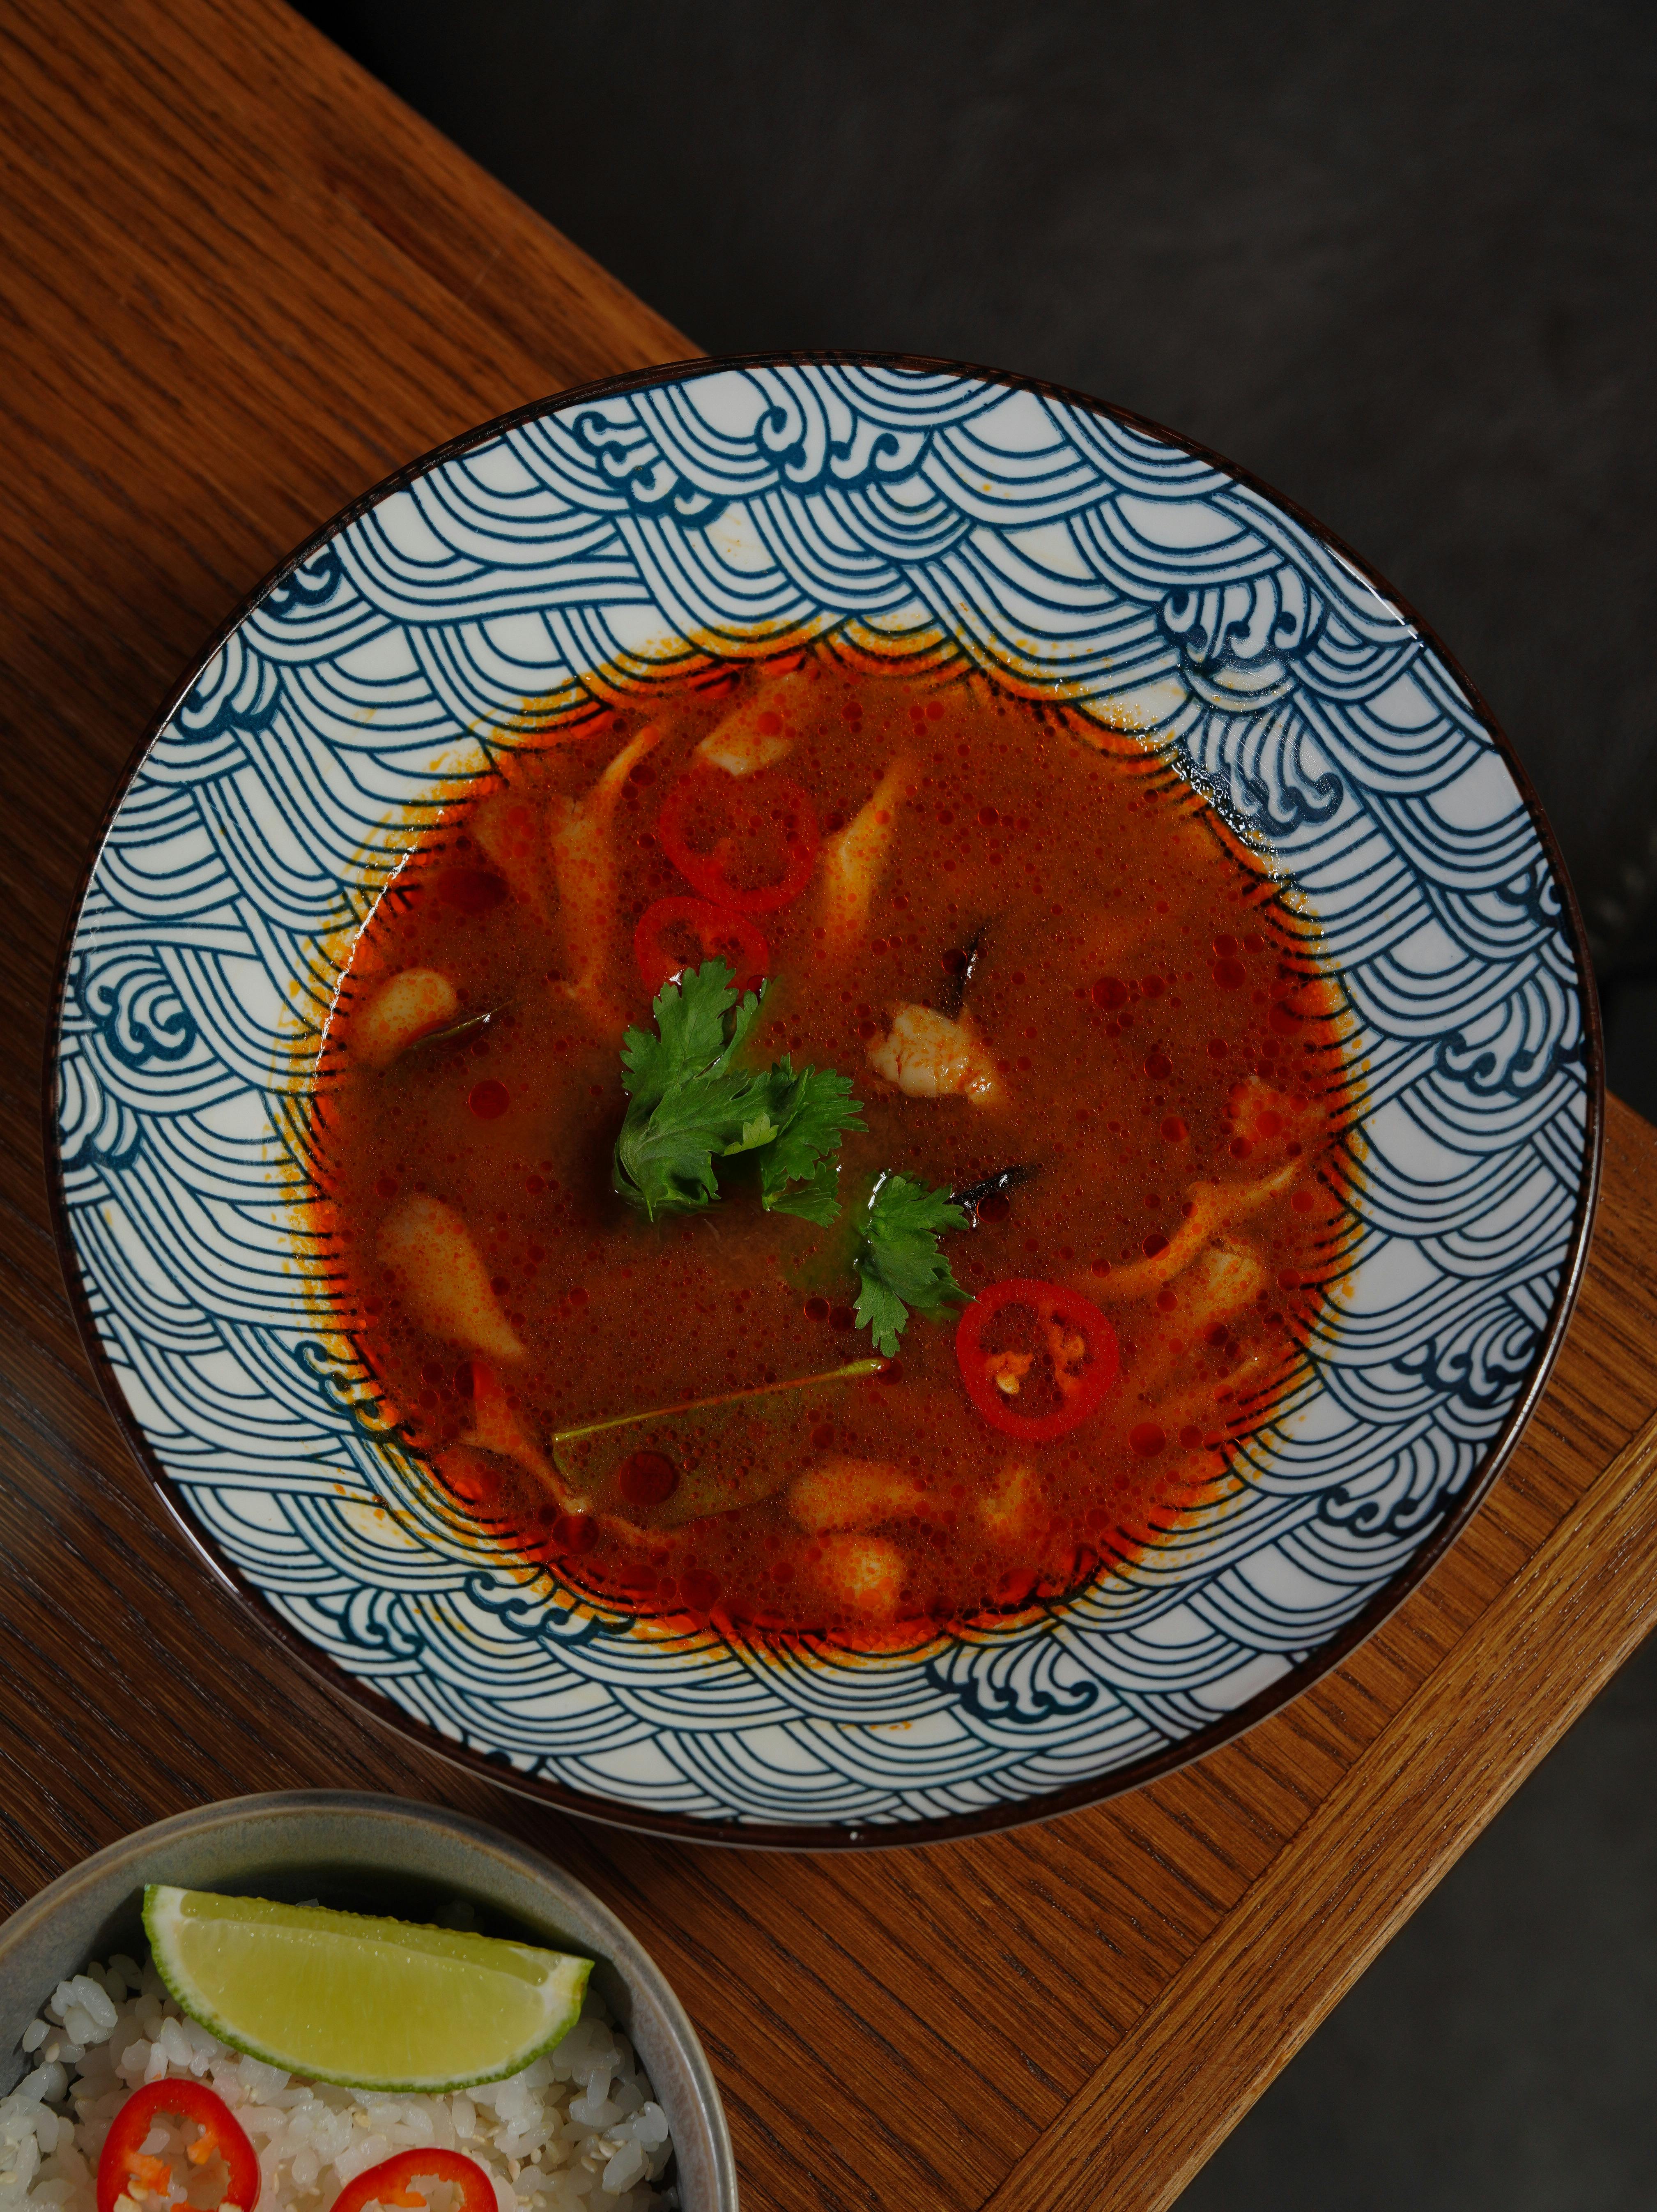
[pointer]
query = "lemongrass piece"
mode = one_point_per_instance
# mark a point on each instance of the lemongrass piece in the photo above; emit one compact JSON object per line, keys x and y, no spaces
{"x":1213,"y":1206}
{"x":406,"y":1007}
{"x":442,"y":1278}
{"x":1220,"y":1282}
{"x":760,"y":730}
{"x":854,"y":861}
{"x":507,"y":829}
{"x":581,"y":849}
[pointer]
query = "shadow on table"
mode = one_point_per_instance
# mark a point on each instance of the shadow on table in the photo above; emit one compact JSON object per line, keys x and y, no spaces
{"x":1629,"y":993}
{"x":1498,"y":2057}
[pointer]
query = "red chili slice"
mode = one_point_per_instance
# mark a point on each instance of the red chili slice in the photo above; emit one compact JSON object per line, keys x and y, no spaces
{"x":124,"y":2160}
{"x":719,"y":933}
{"x":721,"y":832}
{"x":388,"y":2182}
{"x":1036,"y":1358}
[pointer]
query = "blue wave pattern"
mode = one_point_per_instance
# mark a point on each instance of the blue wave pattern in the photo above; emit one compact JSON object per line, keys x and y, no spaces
{"x":612,"y":546}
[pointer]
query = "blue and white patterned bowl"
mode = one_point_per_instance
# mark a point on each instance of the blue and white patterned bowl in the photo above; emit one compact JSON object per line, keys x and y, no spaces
{"x":612,"y":541}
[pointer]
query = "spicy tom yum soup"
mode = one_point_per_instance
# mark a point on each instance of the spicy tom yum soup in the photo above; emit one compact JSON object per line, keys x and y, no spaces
{"x":833,"y":1152}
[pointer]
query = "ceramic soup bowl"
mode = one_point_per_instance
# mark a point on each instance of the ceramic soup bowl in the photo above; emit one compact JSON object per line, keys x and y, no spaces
{"x":608,"y":544}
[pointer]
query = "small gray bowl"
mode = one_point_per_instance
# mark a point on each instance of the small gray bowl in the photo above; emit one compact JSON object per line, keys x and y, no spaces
{"x":368,"y":1853}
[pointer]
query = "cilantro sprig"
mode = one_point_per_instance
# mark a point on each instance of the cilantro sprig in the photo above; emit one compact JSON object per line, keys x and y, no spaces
{"x":898,"y":1263}
{"x":691,"y":1103}
{"x":810,"y":1112}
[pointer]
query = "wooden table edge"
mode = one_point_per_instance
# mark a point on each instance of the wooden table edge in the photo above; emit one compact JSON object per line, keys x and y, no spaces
{"x":1250,"y":1996}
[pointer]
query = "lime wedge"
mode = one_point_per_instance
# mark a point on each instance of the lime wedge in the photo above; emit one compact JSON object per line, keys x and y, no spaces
{"x":374,"y":2004}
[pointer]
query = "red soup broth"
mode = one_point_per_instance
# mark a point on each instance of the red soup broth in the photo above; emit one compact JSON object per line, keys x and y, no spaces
{"x":1137,"y":1015}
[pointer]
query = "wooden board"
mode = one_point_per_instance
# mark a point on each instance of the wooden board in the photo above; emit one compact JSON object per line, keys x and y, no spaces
{"x":240,"y":283}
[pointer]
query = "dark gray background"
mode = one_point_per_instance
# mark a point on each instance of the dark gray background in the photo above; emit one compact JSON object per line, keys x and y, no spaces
{"x":1398,"y":259}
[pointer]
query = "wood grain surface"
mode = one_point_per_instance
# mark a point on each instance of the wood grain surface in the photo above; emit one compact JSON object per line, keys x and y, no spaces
{"x":239,"y":284}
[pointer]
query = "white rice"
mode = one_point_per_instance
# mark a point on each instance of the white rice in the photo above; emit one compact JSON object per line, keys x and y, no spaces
{"x":578,"y":2131}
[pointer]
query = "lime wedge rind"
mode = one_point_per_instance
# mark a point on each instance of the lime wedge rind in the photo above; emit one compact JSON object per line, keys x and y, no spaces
{"x":375,"y":2004}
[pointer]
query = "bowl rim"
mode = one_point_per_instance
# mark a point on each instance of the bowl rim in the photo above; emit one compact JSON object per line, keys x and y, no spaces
{"x":622,"y":1949}
{"x":825,"y":1836}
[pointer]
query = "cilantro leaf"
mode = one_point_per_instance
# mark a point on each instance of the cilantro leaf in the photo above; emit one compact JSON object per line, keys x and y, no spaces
{"x":817,"y":1200}
{"x":813,"y":1111}
{"x":689,"y":1103}
{"x":691,"y":1015}
{"x":898,"y":1264}
{"x":664,"y":1156}
{"x":761,"y":1130}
